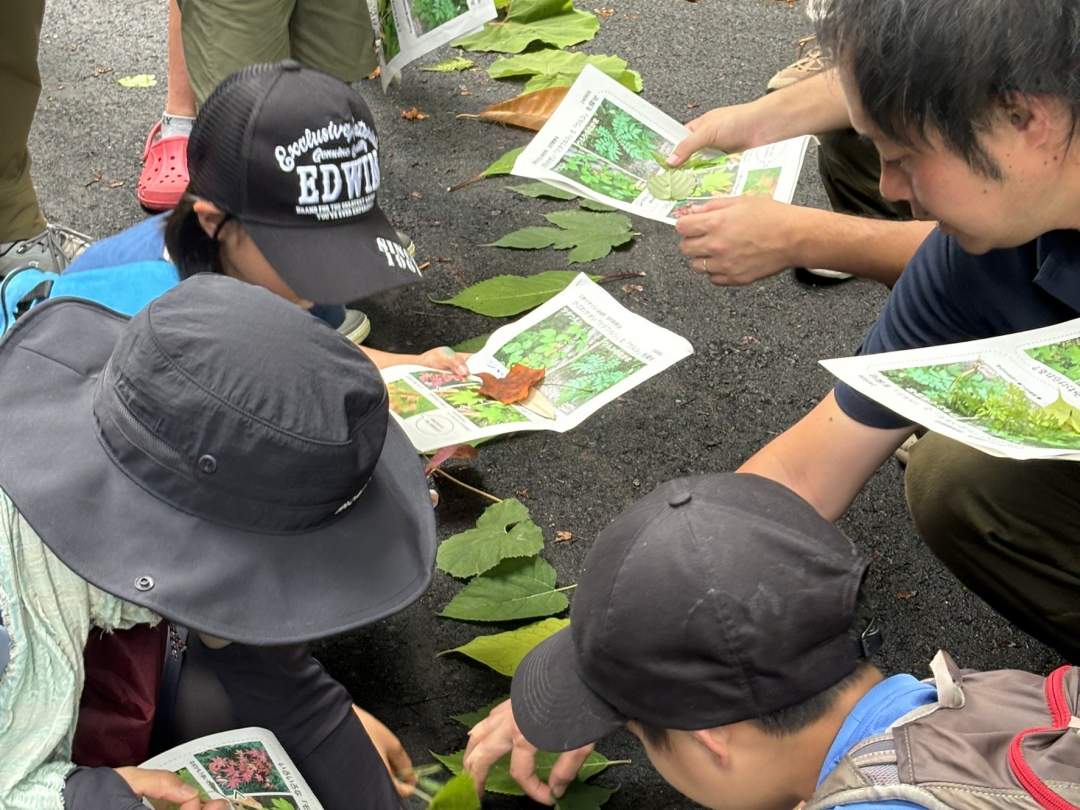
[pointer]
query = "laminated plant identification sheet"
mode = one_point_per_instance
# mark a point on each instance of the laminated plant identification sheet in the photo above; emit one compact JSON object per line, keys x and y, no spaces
{"x":606,"y":143}
{"x":1016,"y":396}
{"x":592,"y":349}
{"x":248,"y":767}
{"x":409,"y":29}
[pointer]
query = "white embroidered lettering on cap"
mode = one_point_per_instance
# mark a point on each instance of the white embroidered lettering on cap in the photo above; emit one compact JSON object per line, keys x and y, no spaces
{"x":396,"y":255}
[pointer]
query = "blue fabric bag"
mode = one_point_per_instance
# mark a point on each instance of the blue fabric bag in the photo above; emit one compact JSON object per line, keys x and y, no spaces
{"x":124,"y":288}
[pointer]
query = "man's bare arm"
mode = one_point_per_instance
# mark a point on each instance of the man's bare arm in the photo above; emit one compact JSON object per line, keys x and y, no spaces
{"x":826,"y":457}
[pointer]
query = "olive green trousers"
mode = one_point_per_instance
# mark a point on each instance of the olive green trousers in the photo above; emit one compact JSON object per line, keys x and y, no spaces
{"x":20,"y":86}
{"x":1009,"y":530}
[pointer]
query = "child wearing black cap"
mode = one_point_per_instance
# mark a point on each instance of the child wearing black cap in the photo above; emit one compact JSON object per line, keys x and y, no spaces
{"x":718,"y":619}
{"x":196,"y":487}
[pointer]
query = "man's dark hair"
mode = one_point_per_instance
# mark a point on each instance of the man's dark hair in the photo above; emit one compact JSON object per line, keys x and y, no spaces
{"x":189,"y":246}
{"x":792,"y":719}
{"x":946,"y":65}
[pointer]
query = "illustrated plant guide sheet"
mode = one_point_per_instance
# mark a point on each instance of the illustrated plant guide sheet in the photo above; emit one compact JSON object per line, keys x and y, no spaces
{"x":1016,"y":396}
{"x":606,"y":143}
{"x":593,"y":351}
{"x":409,"y":29}
{"x":248,"y":767}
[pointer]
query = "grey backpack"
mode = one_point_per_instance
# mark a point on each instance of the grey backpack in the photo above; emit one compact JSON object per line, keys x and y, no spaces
{"x":993,"y":740}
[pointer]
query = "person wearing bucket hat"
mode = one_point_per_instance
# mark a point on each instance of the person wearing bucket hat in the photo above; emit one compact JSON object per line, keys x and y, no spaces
{"x":722,"y":620}
{"x":201,"y":481}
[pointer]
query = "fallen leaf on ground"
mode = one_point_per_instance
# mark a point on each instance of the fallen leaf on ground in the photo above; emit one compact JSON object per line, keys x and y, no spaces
{"x":504,"y":531}
{"x":905,"y":595}
{"x":514,"y":387}
{"x":140,"y":80}
{"x":633,"y":288}
{"x":553,"y":22}
{"x":499,"y":168}
{"x":376,"y":73}
{"x":606,"y":11}
{"x":451,"y":65}
{"x":503,"y":652}
{"x":590,"y":235}
{"x":413,"y":114}
{"x":528,"y":111}
{"x":500,"y":781}
{"x":503,"y":296}
{"x":455,"y":452}
{"x":520,"y":588}
{"x":564,"y":537}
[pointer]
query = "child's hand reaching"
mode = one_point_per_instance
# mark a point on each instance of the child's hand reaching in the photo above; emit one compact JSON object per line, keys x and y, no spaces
{"x":444,"y":358}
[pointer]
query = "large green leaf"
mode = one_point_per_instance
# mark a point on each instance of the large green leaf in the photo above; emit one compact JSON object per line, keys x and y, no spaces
{"x":554,"y":68}
{"x":542,"y":189}
{"x":500,"y":781}
{"x":582,"y":796}
{"x":503,"y":296}
{"x":630,"y":79}
{"x":457,"y":794}
{"x":504,"y":651}
{"x":505,"y":530}
{"x":513,"y":589}
{"x":473,"y":344}
{"x":470,"y":719}
{"x":553,"y":22}
{"x":593,"y":205}
{"x":588,"y":235}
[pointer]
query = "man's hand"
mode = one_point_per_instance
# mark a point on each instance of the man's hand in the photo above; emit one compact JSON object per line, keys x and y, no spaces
{"x":497,"y":734}
{"x":166,"y":786}
{"x":729,"y":129}
{"x":391,"y":750}
{"x":738,"y":240}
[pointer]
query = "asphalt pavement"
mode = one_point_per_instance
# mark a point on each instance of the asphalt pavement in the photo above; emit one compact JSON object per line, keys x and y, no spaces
{"x":754,"y":371}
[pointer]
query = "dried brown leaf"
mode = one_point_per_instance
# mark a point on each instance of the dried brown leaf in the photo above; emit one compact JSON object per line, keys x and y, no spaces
{"x":413,"y":114}
{"x":564,"y":537}
{"x":514,"y":387}
{"x":528,"y":111}
{"x":461,"y":452}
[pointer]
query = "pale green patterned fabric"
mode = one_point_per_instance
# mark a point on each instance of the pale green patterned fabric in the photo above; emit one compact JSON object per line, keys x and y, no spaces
{"x":49,"y":613}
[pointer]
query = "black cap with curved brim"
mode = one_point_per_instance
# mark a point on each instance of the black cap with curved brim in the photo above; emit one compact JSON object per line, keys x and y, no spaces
{"x":292,"y":153}
{"x":223,"y":458}
{"x":712,"y":600}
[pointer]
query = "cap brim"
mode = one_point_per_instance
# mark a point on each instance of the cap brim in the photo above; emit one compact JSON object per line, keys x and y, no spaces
{"x":553,"y":707}
{"x":376,"y":558}
{"x":336,"y":263}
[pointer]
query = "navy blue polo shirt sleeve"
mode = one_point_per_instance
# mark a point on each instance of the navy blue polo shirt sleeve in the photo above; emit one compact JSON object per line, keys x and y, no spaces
{"x":936,"y":301}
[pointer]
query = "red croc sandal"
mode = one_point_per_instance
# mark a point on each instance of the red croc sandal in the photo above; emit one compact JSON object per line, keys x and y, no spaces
{"x":164,"y":174}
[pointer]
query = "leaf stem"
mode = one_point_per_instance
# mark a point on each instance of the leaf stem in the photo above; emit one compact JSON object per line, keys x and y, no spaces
{"x":612,"y":277}
{"x":465,"y":183}
{"x":567,"y":588}
{"x":444,"y":474}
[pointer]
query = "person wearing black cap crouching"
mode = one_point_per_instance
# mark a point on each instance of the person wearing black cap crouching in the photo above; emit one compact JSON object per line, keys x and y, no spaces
{"x":720,"y":619}
{"x":179,"y":466}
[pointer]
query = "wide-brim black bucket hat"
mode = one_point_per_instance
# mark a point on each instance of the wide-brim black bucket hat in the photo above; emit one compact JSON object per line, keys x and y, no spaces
{"x":223,"y":459}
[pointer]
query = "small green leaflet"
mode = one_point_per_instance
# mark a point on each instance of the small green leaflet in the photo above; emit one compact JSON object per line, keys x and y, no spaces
{"x":542,"y":189}
{"x":504,"y":530}
{"x":513,"y":589}
{"x":504,"y":164}
{"x":503,"y":296}
{"x":141,"y":80}
{"x":473,"y":344}
{"x":470,"y":719}
{"x":503,"y":652}
{"x":454,"y":63}
{"x":553,"y":22}
{"x":671,"y":185}
{"x":555,"y":68}
{"x":590,"y":235}
{"x":500,"y":781}
{"x":582,"y":796}
{"x":457,"y":794}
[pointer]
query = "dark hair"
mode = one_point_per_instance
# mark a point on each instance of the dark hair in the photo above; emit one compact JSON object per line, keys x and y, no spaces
{"x":946,"y":65}
{"x":190,"y":248}
{"x":792,"y":719}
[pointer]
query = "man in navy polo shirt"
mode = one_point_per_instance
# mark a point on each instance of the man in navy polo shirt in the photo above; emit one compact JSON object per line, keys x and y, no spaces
{"x":974,"y":113}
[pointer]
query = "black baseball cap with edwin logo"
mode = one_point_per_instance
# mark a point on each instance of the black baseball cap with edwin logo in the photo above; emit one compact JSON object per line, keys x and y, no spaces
{"x":292,"y":154}
{"x":712,"y":600}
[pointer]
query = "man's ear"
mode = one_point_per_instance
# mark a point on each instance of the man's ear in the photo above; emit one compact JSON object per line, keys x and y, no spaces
{"x":210,"y":216}
{"x":1031,"y":117}
{"x":717,"y":741}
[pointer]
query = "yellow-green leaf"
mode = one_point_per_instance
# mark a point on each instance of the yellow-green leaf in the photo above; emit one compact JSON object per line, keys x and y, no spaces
{"x":457,"y":794}
{"x":553,"y":22}
{"x":141,"y":80}
{"x":451,"y":65}
{"x":503,"y":652}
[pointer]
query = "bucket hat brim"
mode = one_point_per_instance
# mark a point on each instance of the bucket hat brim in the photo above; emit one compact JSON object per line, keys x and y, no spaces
{"x":369,"y":562}
{"x":553,"y":706}
{"x":336,"y":262}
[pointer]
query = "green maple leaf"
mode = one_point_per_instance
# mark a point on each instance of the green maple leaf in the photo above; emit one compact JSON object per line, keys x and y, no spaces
{"x":457,"y":794}
{"x":503,"y":652}
{"x":553,"y":22}
{"x":513,"y":589}
{"x":586,"y":234}
{"x":505,"y":530}
{"x":503,"y":296}
{"x":451,"y":65}
{"x":500,"y":781}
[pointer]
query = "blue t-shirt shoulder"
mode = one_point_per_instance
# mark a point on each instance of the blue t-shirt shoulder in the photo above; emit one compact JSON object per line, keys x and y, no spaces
{"x":947,"y":296}
{"x":142,"y":242}
{"x":879,"y":708}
